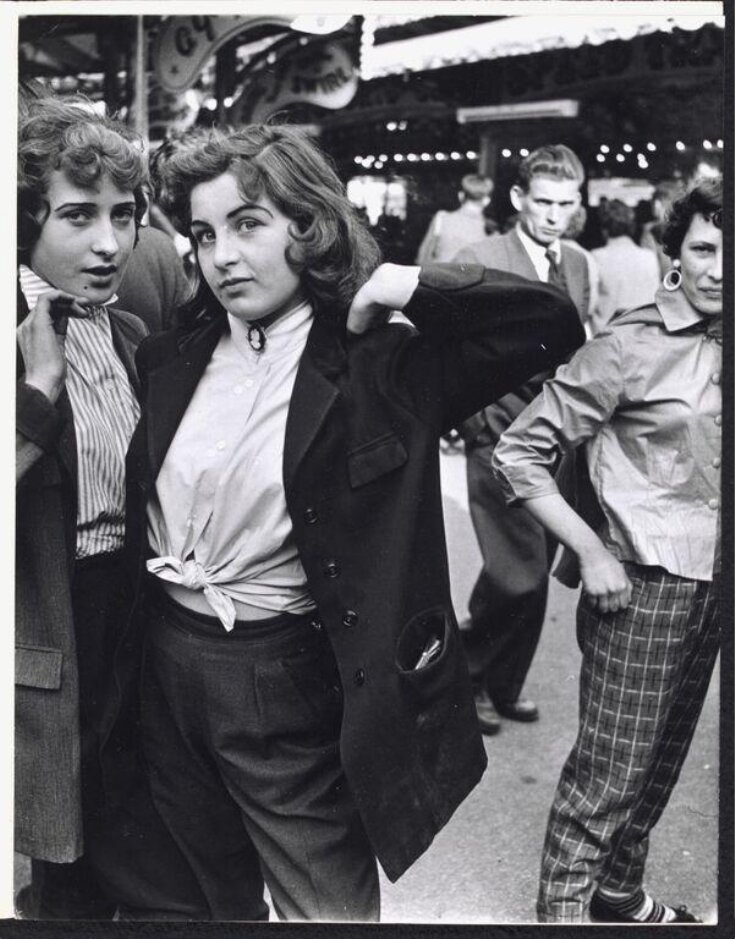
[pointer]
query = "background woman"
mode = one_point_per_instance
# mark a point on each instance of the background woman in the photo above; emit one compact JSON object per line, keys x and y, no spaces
{"x":80,"y":200}
{"x":645,"y":400}
{"x":306,"y":705}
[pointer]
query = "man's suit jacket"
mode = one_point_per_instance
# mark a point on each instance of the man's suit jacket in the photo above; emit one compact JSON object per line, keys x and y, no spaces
{"x":155,"y":282}
{"x":48,"y":822}
{"x":361,"y":478}
{"x":506,"y":253}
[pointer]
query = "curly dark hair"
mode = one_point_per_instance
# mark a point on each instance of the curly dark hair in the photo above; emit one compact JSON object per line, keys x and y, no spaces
{"x":332,"y":250}
{"x":68,"y":136}
{"x":703,"y":198}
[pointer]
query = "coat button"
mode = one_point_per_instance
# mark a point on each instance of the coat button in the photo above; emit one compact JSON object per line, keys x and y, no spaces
{"x":316,"y":624}
{"x":349,"y":618}
{"x":331,"y":569}
{"x":359,"y":677}
{"x":310,"y":516}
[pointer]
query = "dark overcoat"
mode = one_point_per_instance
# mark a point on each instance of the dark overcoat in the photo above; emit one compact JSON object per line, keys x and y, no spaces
{"x":361,"y":477}
{"x":48,"y":822}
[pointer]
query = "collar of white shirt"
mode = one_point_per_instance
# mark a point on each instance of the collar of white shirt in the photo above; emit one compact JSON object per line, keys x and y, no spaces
{"x":33,"y":286}
{"x":281,"y":337}
{"x":537,"y":252}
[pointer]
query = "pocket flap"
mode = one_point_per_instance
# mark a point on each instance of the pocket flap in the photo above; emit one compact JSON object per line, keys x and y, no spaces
{"x":374,"y":459}
{"x":38,"y":667}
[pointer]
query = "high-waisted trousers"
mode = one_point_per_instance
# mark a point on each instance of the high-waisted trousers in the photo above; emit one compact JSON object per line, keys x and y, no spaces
{"x":241,"y":735}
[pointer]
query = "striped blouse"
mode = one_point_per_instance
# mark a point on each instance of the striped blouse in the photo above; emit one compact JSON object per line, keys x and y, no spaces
{"x":105,"y":414}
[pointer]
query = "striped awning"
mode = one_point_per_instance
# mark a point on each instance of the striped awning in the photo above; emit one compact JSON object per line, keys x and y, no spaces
{"x":522,"y":35}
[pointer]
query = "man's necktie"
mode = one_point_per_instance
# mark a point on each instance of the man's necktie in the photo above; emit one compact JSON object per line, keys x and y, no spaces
{"x":556,"y":276}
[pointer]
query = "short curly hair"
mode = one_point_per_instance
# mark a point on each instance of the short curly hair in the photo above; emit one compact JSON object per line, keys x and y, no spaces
{"x":703,"y":198}
{"x":332,"y":250}
{"x":67,"y":135}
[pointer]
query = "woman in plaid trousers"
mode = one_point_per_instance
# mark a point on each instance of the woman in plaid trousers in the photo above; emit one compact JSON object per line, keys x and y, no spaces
{"x":644,"y":398}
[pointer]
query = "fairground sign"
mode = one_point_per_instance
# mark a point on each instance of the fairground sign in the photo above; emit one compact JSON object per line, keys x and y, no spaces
{"x":184,"y":44}
{"x":322,"y":74}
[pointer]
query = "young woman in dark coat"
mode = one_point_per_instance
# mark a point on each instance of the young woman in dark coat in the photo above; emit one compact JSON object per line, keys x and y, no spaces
{"x":96,"y":844}
{"x":306,"y":706}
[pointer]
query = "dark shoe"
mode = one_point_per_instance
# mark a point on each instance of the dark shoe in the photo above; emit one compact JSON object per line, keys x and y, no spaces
{"x":520,"y":710}
{"x":601,"y":912}
{"x":486,"y":714}
{"x":26,"y":903}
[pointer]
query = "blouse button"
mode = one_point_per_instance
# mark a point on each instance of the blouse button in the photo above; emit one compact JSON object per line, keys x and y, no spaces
{"x":718,"y":420}
{"x":249,"y":383}
{"x":238,"y":389}
{"x":221,"y":444}
{"x":717,"y":462}
{"x":716,"y":378}
{"x":713,"y":503}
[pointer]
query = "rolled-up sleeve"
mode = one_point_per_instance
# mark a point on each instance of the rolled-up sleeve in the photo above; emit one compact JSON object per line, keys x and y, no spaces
{"x":572,"y":407}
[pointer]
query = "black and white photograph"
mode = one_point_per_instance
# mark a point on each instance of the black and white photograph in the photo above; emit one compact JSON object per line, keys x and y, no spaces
{"x":370,"y":552}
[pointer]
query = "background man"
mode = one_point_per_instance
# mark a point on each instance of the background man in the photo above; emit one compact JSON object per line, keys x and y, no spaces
{"x":508,"y":602}
{"x":450,"y":231}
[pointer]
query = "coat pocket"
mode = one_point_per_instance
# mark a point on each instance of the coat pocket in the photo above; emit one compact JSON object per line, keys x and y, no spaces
{"x":426,"y":669}
{"x":38,"y":667}
{"x":375,"y":458}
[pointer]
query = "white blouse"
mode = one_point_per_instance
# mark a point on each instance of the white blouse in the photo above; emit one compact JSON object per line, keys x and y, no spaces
{"x":218,"y":521}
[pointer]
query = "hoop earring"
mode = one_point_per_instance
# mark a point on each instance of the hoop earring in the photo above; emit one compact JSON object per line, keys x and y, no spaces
{"x":672,"y":280}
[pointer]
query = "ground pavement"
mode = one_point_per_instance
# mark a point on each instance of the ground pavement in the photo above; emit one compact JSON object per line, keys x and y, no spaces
{"x":483,"y":866}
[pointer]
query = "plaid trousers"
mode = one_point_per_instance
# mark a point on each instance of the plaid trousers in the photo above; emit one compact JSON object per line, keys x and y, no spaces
{"x":645,"y":674}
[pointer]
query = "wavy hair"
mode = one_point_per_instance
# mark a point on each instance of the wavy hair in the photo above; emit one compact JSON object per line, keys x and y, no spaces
{"x":555,"y":160}
{"x":68,"y":136}
{"x":332,"y":251}
{"x":704,"y":198}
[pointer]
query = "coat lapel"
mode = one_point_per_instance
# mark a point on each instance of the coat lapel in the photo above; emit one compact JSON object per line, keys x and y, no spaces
{"x":172,"y":384}
{"x":521,"y":262}
{"x":127,"y":334}
{"x":314,"y":394}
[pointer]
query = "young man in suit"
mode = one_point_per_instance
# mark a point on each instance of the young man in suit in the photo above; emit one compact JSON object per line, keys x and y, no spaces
{"x":508,"y":602}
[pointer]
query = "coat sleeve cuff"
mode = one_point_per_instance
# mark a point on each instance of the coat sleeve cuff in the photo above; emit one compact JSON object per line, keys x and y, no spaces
{"x":36,"y":417}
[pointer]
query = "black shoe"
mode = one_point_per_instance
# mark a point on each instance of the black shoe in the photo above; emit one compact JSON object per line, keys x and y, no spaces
{"x":519,"y":710}
{"x":602,"y":912}
{"x":486,"y":713}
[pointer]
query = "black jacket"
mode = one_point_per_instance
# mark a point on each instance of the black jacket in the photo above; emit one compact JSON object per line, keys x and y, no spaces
{"x":361,"y":476}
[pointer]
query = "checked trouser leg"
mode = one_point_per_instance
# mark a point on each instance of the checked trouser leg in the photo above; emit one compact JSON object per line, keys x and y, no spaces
{"x":645,"y":673}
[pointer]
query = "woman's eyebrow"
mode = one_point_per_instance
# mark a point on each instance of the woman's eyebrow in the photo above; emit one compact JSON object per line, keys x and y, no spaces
{"x":75,"y":205}
{"x":249,"y":206}
{"x":246,"y":206}
{"x":90,"y":205}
